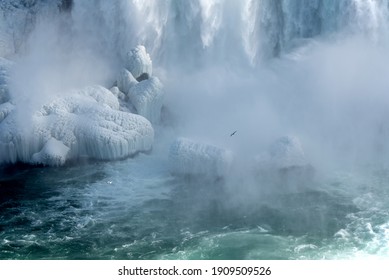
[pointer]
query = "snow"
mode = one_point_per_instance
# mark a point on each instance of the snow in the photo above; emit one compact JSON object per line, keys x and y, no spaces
{"x":284,"y":165}
{"x":5,"y":66}
{"x":147,"y":97}
{"x":125,"y":81}
{"x":188,"y":157}
{"x":53,"y":153}
{"x":285,"y":152}
{"x":144,"y":92}
{"x":5,"y":110}
{"x":85,"y":121}
{"x":138,"y":62}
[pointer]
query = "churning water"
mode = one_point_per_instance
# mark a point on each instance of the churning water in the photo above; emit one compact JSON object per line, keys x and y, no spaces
{"x":313,"y":68}
{"x":133,"y":209}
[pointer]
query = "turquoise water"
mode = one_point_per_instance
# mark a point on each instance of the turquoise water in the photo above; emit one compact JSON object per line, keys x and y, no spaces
{"x":134,"y":209}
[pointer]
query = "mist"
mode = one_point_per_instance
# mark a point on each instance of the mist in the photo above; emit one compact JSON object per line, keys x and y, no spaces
{"x":55,"y":60}
{"x":281,"y":106}
{"x":330,"y":92}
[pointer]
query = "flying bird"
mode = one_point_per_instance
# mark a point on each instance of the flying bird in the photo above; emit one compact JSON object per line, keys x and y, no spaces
{"x":232,"y":134}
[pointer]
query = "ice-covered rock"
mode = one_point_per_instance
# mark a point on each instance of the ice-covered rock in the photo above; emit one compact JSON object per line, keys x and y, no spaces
{"x":188,"y":157}
{"x":125,"y":81}
{"x":53,"y":153}
{"x":147,"y":98}
{"x":284,"y":164}
{"x":285,"y":152}
{"x":116,"y":91}
{"x":144,"y":92}
{"x":138,"y":62}
{"x":86,"y":121}
{"x":5,"y":110}
{"x":5,"y":66}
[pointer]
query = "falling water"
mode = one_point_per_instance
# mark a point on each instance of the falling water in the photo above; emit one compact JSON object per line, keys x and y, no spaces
{"x":314,"y":69}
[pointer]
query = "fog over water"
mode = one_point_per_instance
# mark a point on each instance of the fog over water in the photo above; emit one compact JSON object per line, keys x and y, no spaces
{"x":310,"y":73}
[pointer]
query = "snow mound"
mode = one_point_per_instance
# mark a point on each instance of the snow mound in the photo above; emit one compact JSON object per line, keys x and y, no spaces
{"x":144,"y":92}
{"x":147,"y":98}
{"x":138,"y":62}
{"x":284,"y":165}
{"x":53,"y":153}
{"x":188,"y":157}
{"x":285,"y":152}
{"x":5,"y":110}
{"x":125,"y":81}
{"x":80,"y":123}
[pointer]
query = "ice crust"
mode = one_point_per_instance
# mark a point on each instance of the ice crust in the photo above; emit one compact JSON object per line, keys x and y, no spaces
{"x":5,"y":66}
{"x":284,"y":165}
{"x":138,"y":61}
{"x":53,"y":153}
{"x":188,"y":157}
{"x":147,"y":98}
{"x":145,"y":95}
{"x":80,"y":123}
{"x":125,"y":81}
{"x":285,"y":152}
{"x":83,"y":123}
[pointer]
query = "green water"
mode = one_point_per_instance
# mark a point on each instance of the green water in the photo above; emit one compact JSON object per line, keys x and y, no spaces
{"x":134,"y":209}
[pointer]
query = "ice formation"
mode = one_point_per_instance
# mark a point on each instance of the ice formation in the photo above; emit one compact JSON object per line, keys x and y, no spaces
{"x":285,"y":152}
{"x":125,"y":81}
{"x":284,"y":163}
{"x":147,"y":98}
{"x":188,"y":157}
{"x":5,"y":66}
{"x":53,"y":153}
{"x":144,"y":92}
{"x":81,"y":123}
{"x":138,"y":62}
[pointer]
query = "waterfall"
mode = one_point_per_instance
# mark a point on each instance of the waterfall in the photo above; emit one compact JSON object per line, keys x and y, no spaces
{"x":247,"y":31}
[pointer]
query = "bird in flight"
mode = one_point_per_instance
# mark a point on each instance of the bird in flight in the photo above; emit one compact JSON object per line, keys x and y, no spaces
{"x":232,"y":134}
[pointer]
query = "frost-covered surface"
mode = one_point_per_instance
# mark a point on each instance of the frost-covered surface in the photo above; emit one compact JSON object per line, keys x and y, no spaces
{"x":5,"y":66}
{"x":145,"y":95}
{"x":5,"y":109}
{"x":188,"y":157}
{"x":285,"y":152}
{"x":138,"y":62}
{"x":284,"y":165}
{"x":147,"y":98}
{"x":17,"y":20}
{"x":125,"y":81}
{"x":53,"y":153}
{"x":86,"y":121}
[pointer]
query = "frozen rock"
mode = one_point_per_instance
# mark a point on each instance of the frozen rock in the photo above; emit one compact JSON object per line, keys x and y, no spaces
{"x":147,"y":98}
{"x":284,"y":163}
{"x":188,"y":157}
{"x":5,"y":66}
{"x":53,"y":153}
{"x":138,"y":62}
{"x":286,"y":152}
{"x":5,"y":110}
{"x":86,"y":121}
{"x":125,"y":81}
{"x":144,"y":92}
{"x":116,"y":91}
